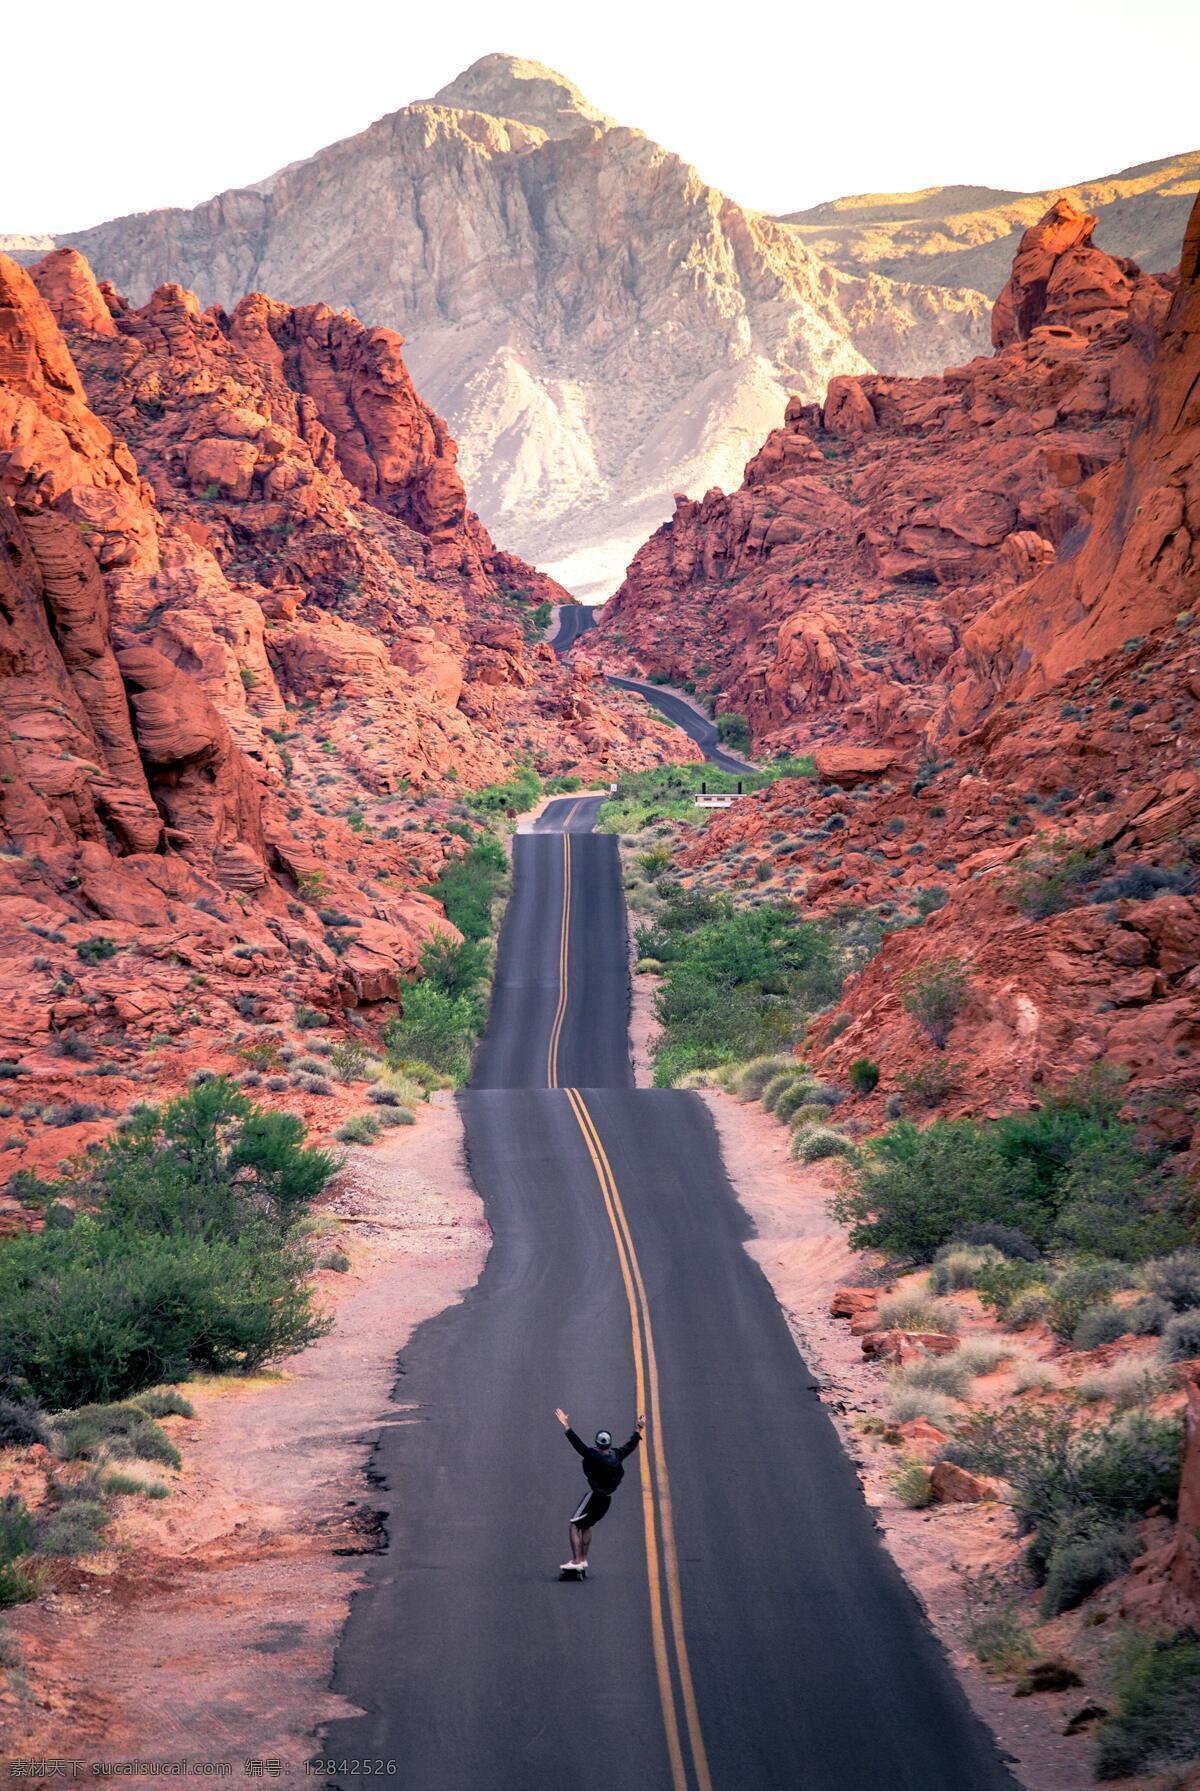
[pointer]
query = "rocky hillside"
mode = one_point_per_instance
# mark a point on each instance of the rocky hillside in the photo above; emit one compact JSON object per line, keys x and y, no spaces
{"x":976,"y":598}
{"x":600,"y":327}
{"x":254,"y":643}
{"x":827,"y":598}
{"x":967,"y":236}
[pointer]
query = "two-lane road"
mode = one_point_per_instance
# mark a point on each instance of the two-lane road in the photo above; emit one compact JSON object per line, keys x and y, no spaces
{"x":741,"y":1628}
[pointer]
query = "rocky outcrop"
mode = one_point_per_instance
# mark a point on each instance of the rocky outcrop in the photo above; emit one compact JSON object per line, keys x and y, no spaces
{"x":827,"y":598}
{"x":599,"y":326}
{"x":253,"y":648}
{"x":1021,"y":808}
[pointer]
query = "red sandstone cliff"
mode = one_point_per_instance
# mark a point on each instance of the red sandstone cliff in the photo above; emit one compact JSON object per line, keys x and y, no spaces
{"x":827,"y":598}
{"x":244,"y":609}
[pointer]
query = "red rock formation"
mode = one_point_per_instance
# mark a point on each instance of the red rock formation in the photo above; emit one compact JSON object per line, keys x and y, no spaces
{"x":1039,"y":822}
{"x":826,"y":598}
{"x":218,"y":680}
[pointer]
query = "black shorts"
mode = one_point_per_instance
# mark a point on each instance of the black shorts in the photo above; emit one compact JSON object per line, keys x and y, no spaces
{"x":591,"y":1508}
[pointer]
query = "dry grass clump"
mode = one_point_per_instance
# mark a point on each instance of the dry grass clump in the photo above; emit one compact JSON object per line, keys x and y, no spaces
{"x":915,"y":1312}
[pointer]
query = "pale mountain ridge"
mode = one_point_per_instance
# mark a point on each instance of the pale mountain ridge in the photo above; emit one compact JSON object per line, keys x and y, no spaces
{"x":600,"y":327}
{"x":961,"y":235}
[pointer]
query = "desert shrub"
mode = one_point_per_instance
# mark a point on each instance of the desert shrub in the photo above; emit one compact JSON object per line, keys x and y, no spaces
{"x":1148,"y":1317}
{"x":911,"y":1312}
{"x":1032,"y":1376}
{"x":1071,"y":1484}
{"x":934,"y":995}
{"x":467,"y":887}
{"x":360,"y":1128}
{"x":1085,"y":1556}
{"x":348,"y":1061}
{"x":1065,"y":1172}
{"x":306,"y":1019}
{"x":1029,"y":1308}
{"x":1002,"y":1283}
{"x":1003,"y":1238}
{"x":94,"y":951}
{"x":164,"y":1402}
{"x":75,"y":1528}
{"x":18,"y":1539}
{"x":387,"y":1117}
{"x":1176,"y":1279}
{"x":21,"y":1423}
{"x":759,"y":1071}
{"x":816,"y":1143}
{"x":121,"y":1485}
{"x":1157,"y":1722}
{"x":734,"y":731}
{"x":911,"y":1485}
{"x":995,"y":1633}
{"x":518,"y":792}
{"x":777,"y":1086}
{"x":100,"y":1311}
{"x":908,"y":1403}
{"x":944,"y":1374}
{"x":1181,"y":1337}
{"x":958,"y":1265}
{"x":1102,"y":1323}
{"x":1081,"y":1285}
{"x":794,"y":1097}
{"x":436,"y":1028}
{"x":336,"y":1260}
{"x":929,"y":1084}
{"x":454,"y":967}
{"x":1047,"y":883}
{"x":94,"y":1432}
{"x":864,"y":1076}
{"x":1124,"y":1384}
{"x":980,"y":1355}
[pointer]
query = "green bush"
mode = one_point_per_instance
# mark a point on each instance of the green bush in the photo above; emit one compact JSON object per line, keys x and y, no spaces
{"x":1098,"y":1324}
{"x":468,"y":886}
{"x":815,"y":1144}
{"x":517,"y":793}
{"x":1081,"y":1285}
{"x":1157,"y":1722}
{"x":1181,"y":1337}
{"x":958,"y":1266}
{"x":1047,"y":883}
{"x":437,"y":1028}
{"x":934,"y":995}
{"x":94,"y":951}
{"x":1176,"y":1279}
{"x":930,"y":1083}
{"x":755,"y":1075}
{"x":349,"y":1061}
{"x":75,"y":1528}
{"x":911,"y":1485}
{"x":912,"y":1312}
{"x":1039,"y":1174}
{"x":1085,"y":1555}
{"x":360,"y":1128}
{"x":126,"y":1429}
{"x":864,"y":1076}
{"x":777,"y":1087}
{"x":165,"y":1402}
{"x":734,"y":731}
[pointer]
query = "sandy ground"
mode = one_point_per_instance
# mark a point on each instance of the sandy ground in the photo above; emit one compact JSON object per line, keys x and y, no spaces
{"x":804,"y":1255}
{"x":209,"y":1633}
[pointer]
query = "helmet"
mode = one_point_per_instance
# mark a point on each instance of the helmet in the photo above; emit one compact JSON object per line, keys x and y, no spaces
{"x":603,"y":1439}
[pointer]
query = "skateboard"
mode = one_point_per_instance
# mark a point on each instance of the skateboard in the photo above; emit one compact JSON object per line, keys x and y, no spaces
{"x":572,"y":1573}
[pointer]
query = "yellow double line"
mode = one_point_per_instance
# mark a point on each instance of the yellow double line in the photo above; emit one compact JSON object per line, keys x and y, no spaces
{"x":661,"y":1564}
{"x":564,"y":938}
{"x":656,"y":1484}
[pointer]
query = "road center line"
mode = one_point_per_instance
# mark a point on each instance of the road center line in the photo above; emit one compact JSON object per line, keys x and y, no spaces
{"x":654,"y":1470}
{"x":563,"y":956}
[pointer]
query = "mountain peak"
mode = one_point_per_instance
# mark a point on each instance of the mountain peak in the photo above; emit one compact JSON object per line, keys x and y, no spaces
{"x":514,"y":87}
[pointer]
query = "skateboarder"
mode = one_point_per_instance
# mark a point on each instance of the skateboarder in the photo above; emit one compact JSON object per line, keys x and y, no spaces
{"x":604,"y":1469}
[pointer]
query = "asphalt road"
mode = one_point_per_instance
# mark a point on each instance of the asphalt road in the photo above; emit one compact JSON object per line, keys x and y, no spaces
{"x":574,"y":619}
{"x":696,"y":726}
{"x":741,"y":1627}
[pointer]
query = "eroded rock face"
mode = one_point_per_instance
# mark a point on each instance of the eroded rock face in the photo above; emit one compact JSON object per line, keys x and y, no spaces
{"x":224,"y":663}
{"x":1038,"y":824}
{"x":875,"y":538}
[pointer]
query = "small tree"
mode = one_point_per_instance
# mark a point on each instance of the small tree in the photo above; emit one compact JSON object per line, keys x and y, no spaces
{"x":934,"y":994}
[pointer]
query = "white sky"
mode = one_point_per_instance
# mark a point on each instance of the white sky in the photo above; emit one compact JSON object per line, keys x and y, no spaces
{"x":108,"y":110}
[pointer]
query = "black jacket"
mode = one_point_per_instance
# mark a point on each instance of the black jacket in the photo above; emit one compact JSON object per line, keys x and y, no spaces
{"x":603,"y":1466}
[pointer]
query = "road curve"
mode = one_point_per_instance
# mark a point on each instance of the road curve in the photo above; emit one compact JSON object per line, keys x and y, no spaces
{"x":742,"y":1628}
{"x":574,"y":619}
{"x":696,"y":726}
